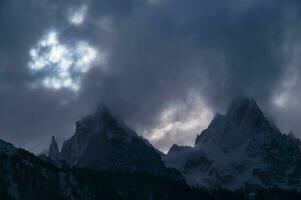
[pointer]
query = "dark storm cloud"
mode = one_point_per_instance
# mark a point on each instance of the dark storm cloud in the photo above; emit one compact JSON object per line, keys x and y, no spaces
{"x":157,"y":53}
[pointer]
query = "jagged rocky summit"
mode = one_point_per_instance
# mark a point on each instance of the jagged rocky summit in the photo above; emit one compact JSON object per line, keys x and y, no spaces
{"x":240,"y":148}
{"x":103,"y":142}
{"x":53,"y":149}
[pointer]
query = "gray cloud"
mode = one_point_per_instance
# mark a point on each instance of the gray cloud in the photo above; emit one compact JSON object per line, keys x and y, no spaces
{"x":158,"y":54}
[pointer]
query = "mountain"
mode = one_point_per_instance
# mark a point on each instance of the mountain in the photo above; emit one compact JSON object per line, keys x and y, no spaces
{"x":53,"y":150}
{"x":240,"y":148}
{"x":24,"y":176}
{"x":102,"y":142}
{"x":99,"y":162}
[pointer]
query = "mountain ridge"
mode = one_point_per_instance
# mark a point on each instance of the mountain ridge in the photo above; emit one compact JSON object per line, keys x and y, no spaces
{"x":103,"y":142}
{"x":24,"y":176}
{"x":238,"y":148}
{"x":129,"y":167}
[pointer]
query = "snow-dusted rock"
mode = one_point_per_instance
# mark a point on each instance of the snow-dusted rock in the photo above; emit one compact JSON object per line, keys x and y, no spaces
{"x":238,"y":148}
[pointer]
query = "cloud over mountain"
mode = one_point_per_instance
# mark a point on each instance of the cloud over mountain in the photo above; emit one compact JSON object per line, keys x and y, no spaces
{"x":159,"y":56}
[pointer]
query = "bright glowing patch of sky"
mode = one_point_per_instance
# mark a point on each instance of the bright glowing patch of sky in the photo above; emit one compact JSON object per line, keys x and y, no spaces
{"x":77,"y":16}
{"x":181,"y":128}
{"x":60,"y":66}
{"x":284,"y":96}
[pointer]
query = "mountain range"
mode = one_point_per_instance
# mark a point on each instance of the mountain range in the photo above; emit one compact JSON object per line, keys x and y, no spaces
{"x":24,"y":176}
{"x":240,"y":149}
{"x":102,"y":142}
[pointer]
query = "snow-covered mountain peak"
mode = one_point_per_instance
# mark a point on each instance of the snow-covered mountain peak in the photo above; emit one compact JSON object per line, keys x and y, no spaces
{"x":243,"y":120}
{"x":244,"y":109}
{"x":218,"y":118}
{"x":238,"y":148}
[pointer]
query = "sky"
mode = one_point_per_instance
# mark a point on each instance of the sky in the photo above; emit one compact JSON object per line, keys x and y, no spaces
{"x":163,"y":66}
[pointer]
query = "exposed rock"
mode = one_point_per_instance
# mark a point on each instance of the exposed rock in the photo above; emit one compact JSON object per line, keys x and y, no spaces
{"x":238,"y":148}
{"x":53,"y":150}
{"x":103,"y":142}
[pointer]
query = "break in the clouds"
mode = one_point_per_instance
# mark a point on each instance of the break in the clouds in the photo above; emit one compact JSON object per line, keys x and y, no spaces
{"x":164,"y":66}
{"x":77,"y":16}
{"x":61,"y":66}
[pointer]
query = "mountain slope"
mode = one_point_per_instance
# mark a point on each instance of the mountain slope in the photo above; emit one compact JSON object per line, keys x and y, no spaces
{"x":102,"y":142}
{"x":24,"y":176}
{"x":238,"y":148}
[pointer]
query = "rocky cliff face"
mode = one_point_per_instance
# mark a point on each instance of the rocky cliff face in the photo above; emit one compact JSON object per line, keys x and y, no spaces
{"x":53,"y":149}
{"x":238,"y":148}
{"x":242,"y":121}
{"x":24,"y":176}
{"x":102,"y":142}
